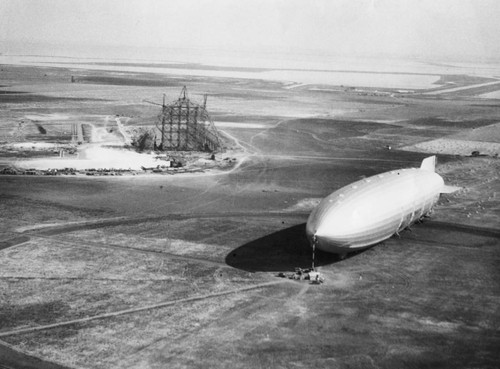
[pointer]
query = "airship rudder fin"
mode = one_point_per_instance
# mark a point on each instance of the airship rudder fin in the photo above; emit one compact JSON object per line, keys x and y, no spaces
{"x":429,"y":163}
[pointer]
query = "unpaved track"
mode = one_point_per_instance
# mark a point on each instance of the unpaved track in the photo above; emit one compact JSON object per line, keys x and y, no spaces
{"x":140,"y":309}
{"x":134,"y":249}
{"x":110,"y":222}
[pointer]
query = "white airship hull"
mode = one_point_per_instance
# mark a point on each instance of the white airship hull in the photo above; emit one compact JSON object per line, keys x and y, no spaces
{"x":373,"y":209}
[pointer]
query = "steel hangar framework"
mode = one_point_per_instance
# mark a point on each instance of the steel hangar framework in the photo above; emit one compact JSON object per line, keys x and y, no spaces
{"x":184,"y":125}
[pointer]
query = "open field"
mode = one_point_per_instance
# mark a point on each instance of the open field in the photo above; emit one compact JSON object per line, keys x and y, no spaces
{"x":154,"y":271}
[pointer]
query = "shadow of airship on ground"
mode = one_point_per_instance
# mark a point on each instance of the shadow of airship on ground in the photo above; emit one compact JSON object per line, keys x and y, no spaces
{"x":281,"y":251}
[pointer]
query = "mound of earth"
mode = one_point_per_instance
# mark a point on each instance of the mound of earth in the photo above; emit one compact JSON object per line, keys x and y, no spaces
{"x":484,"y":140}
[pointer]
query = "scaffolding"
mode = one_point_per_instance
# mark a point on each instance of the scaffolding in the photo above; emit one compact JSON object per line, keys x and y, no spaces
{"x":186,"y":126}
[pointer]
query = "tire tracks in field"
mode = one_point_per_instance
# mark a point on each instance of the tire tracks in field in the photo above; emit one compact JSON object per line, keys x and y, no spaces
{"x":135,"y":249}
{"x":111,"y":222}
{"x":87,"y":279}
{"x":139,"y":309}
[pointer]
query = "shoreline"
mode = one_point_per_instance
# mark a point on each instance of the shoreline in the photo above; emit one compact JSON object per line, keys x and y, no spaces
{"x":380,"y":79}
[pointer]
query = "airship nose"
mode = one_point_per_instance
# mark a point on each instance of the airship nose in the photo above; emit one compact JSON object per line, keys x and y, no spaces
{"x":328,"y":229}
{"x":325,"y":223}
{"x":324,"y":230}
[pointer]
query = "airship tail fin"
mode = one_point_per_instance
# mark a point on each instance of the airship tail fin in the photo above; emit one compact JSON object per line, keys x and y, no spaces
{"x":429,"y":163}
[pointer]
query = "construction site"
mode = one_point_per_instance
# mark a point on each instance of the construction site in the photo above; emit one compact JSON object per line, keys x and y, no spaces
{"x":181,"y":138}
{"x":184,"y":125}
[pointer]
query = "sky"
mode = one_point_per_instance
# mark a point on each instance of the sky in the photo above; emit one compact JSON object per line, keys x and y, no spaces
{"x":424,"y":28}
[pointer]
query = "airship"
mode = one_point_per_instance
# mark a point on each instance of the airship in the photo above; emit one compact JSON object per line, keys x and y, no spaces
{"x":373,"y":209}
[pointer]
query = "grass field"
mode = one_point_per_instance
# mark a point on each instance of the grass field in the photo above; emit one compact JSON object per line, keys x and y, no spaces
{"x":180,"y":271}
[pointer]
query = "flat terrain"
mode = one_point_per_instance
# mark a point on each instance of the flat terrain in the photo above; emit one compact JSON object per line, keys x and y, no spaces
{"x":155,"y":271}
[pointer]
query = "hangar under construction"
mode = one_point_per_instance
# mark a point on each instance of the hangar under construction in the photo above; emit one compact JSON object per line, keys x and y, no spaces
{"x":185,"y":126}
